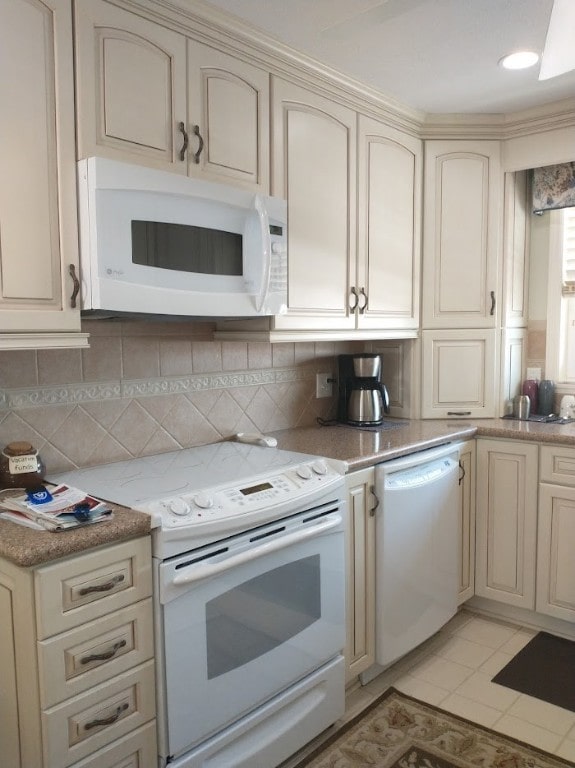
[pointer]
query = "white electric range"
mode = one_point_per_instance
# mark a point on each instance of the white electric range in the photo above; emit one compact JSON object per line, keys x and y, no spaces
{"x":249,"y":596}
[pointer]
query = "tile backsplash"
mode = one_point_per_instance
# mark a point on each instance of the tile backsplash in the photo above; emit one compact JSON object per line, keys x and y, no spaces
{"x":149,"y":387}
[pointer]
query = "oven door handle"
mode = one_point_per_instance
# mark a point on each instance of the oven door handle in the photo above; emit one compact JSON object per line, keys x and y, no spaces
{"x":205,"y":570}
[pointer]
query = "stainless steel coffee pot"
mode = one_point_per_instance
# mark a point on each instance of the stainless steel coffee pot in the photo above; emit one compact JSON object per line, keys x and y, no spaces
{"x":363,"y":400}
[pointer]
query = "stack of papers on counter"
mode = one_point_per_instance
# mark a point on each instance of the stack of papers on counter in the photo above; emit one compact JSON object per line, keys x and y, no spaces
{"x":57,"y":509}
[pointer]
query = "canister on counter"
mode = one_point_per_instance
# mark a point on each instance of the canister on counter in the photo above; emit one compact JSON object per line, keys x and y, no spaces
{"x":546,"y":397}
{"x":20,"y":466}
{"x":531,"y":389}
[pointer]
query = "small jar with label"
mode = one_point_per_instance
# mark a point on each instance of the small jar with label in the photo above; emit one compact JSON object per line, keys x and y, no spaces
{"x":21,"y":466}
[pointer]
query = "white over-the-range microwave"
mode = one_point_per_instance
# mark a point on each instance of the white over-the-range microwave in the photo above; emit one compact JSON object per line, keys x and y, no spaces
{"x":159,"y":243}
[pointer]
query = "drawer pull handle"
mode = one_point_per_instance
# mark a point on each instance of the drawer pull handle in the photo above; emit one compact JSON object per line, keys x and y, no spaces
{"x":76,"y":283}
{"x":107,"y":720}
{"x":184,"y":133}
{"x":103,"y":587}
{"x":104,"y":656}
{"x":459,"y":413}
{"x":376,"y":505}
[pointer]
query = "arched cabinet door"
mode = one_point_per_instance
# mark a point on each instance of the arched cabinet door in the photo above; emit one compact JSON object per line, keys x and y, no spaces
{"x":38,"y":231}
{"x":388,"y":226}
{"x":131,"y":87}
{"x":313,"y":167}
{"x":461,"y":234}
{"x":228,"y":118}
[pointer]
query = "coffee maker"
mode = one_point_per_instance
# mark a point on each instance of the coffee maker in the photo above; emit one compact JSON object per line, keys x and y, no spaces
{"x":362,"y":398}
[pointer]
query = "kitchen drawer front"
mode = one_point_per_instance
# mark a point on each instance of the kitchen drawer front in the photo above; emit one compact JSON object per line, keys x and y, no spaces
{"x":72,"y":592}
{"x":557,"y":465}
{"x":136,"y":750}
{"x":76,"y":661}
{"x":78,"y":727}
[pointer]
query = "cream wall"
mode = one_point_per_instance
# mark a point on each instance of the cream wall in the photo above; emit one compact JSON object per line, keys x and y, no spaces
{"x":146,"y":387}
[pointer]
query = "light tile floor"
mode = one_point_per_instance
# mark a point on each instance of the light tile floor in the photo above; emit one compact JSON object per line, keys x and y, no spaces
{"x":453,"y":670}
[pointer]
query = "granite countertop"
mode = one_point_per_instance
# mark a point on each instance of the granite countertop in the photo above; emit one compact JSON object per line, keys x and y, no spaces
{"x":359,"y":448}
{"x":355,"y":447}
{"x":27,"y":547}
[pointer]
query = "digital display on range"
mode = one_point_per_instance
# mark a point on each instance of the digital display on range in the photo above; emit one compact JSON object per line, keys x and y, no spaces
{"x":256,"y":488}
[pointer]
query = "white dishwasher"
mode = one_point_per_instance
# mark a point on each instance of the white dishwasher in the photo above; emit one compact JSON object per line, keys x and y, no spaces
{"x":416,"y":549}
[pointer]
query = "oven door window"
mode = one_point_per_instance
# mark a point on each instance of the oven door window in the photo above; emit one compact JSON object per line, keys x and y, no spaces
{"x":258,"y":615}
{"x":186,"y":248}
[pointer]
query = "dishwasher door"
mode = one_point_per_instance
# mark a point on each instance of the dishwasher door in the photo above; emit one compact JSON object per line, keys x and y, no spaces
{"x":416,"y":549}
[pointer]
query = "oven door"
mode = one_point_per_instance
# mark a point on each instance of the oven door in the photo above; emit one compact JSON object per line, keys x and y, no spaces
{"x":246,"y":618}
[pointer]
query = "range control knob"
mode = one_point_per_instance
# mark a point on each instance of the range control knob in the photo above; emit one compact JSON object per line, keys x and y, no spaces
{"x":304,"y":472}
{"x":178,"y":506}
{"x":319,"y":467}
{"x":203,"y":501}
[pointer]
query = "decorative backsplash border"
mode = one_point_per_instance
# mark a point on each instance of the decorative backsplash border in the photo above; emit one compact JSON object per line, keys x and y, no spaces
{"x":165,"y":385}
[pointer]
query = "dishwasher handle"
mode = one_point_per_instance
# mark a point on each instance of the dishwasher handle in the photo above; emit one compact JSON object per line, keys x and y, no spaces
{"x":205,"y":570}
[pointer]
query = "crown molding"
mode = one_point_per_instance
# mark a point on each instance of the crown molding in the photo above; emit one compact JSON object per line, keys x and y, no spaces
{"x":215,"y":27}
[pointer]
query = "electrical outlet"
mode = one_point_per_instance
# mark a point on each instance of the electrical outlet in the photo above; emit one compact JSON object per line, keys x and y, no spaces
{"x":323,"y":385}
{"x":533,"y":373}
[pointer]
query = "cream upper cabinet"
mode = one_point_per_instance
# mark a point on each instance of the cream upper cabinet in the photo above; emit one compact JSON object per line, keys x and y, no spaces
{"x":459,"y":369}
{"x":506,"y":522}
{"x":131,"y":87}
{"x":38,"y":231}
{"x":388,"y":223}
{"x":149,"y":95}
{"x":228,"y":118}
{"x":313,"y":167}
{"x":517,"y":230}
{"x":360,"y":562}
{"x":461,"y":234}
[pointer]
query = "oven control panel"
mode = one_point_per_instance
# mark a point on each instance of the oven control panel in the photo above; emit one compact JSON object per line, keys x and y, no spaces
{"x":260,"y":493}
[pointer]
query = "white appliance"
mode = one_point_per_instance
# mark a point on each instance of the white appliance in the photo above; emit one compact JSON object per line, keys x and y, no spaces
{"x":416,"y":549}
{"x":248,"y":547}
{"x":160,"y":243}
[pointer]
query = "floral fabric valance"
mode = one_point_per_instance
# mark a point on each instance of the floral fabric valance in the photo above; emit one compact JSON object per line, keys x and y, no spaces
{"x":553,"y":187}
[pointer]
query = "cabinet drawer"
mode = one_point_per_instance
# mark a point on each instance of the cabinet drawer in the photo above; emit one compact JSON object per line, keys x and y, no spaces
{"x":136,"y":750}
{"x":76,"y":661}
{"x":557,"y":465}
{"x":72,"y":592}
{"x":78,"y":727}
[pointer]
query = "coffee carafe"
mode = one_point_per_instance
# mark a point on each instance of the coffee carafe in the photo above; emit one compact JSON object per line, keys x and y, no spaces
{"x":362,"y":399}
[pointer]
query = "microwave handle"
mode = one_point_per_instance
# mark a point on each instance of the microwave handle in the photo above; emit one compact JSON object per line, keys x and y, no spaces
{"x":266,"y":252}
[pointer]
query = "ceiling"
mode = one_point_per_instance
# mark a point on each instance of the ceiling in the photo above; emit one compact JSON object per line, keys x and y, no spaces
{"x":438,"y":56}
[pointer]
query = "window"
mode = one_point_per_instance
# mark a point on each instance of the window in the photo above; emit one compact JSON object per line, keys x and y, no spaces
{"x":561,"y":299}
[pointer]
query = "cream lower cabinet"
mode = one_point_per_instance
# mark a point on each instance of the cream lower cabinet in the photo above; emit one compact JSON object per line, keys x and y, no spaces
{"x":466,"y":521}
{"x":360,"y":562}
{"x":77,"y":659}
{"x":38,"y":230}
{"x":459,"y":370}
{"x":506,"y":521}
{"x":556,"y":533}
{"x":149,"y":95}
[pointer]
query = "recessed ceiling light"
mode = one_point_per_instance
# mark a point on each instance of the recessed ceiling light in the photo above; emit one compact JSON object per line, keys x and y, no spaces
{"x":519,"y":60}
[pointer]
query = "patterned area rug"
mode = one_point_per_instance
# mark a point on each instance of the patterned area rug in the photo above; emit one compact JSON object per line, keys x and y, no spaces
{"x":397,"y":731}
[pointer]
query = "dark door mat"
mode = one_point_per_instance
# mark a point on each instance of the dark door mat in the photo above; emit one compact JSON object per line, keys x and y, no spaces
{"x":545,"y":669}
